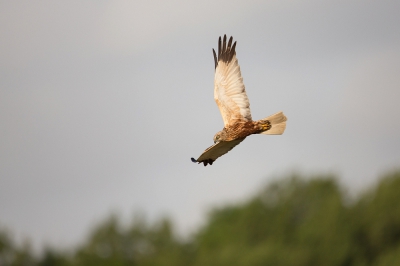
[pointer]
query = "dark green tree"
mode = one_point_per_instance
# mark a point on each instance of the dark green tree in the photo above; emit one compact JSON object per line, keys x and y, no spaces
{"x":139,"y":244}
{"x":11,"y":254}
{"x":292,"y":222}
{"x":378,"y":223}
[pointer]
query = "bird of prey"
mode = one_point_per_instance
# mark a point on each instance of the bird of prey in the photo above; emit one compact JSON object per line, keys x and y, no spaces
{"x":230,"y":96}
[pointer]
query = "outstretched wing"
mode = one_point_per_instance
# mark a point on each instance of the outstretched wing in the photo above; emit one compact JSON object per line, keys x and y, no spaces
{"x":229,"y":91}
{"x":216,"y":150}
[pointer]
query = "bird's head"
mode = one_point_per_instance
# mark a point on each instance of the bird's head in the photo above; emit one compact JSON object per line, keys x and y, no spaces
{"x":219,"y":137}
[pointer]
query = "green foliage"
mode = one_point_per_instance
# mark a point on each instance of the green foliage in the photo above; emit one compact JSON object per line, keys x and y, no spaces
{"x":51,"y":257}
{"x":12,"y":255}
{"x":378,"y":220}
{"x":138,"y":244}
{"x":296,"y":221}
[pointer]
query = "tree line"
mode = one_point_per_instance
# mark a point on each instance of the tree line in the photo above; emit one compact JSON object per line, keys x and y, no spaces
{"x":295,"y":221}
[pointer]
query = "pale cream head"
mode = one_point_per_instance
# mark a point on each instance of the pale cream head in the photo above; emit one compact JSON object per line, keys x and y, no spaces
{"x":220,"y":136}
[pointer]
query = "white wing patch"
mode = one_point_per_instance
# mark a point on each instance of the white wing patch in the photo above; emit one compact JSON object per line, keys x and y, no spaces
{"x":230,"y":93}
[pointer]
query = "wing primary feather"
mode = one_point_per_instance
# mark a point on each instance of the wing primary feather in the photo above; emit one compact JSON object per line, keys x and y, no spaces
{"x":232,"y":51}
{"x":224,"y":49}
{"x":215,"y":59}
{"x":219,"y":48}
{"x":230,"y":43}
{"x":209,"y":161}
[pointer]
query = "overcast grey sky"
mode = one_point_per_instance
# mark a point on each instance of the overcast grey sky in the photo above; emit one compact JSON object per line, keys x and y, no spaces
{"x":102,"y":104}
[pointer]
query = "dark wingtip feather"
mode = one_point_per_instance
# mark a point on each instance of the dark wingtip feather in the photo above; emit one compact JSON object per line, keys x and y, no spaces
{"x":215,"y":59}
{"x":233,"y":52}
{"x":205,"y":162}
{"x":219,"y":46}
{"x":225,"y":51}
{"x":223,"y":55}
{"x":230,"y":43}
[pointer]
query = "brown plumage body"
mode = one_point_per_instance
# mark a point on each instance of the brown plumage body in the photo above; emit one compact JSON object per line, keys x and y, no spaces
{"x":242,"y":129}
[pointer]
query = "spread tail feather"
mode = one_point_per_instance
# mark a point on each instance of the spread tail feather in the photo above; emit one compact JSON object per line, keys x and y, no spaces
{"x":278,"y":124}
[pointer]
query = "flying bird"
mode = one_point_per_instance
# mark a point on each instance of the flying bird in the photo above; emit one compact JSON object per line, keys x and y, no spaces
{"x":230,"y":96}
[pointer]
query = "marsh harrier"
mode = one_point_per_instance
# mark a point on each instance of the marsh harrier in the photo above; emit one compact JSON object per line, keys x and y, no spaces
{"x":232,"y":101}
